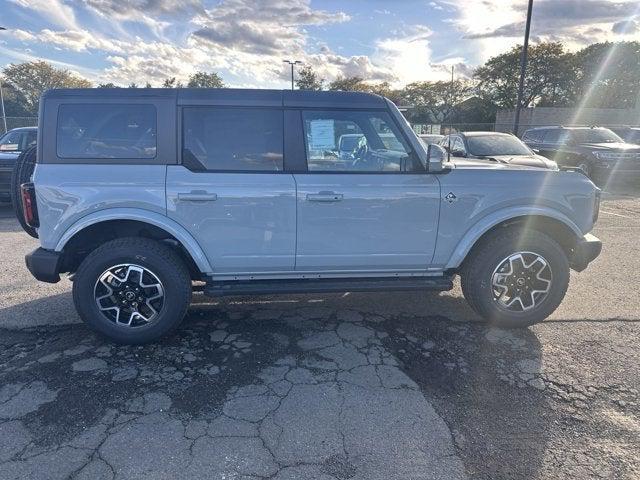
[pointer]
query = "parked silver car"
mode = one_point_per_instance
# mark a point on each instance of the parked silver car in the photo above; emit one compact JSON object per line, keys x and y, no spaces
{"x":139,"y":192}
{"x":494,"y":147}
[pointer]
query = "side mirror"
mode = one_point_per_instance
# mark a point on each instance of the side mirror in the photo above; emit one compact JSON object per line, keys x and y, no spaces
{"x":436,"y":156}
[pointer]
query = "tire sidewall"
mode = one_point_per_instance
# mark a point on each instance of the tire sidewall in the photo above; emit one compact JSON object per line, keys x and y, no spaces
{"x":490,"y":260}
{"x":172,"y":311}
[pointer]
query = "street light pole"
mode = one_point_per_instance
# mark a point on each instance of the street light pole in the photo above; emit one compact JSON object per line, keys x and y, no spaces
{"x":4,"y":117}
{"x":523,"y":69}
{"x":292,"y":63}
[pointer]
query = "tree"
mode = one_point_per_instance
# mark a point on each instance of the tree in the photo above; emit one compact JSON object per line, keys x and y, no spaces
{"x":434,"y":102}
{"x":308,"y":79}
{"x":549,"y":81}
{"x":14,"y":102}
{"x":357,"y":84}
{"x":608,"y":75}
{"x":32,"y":79}
{"x":133,"y":85}
{"x":205,"y":80}
{"x":349,"y":84}
{"x":107,"y":85}
{"x":171,"y":83}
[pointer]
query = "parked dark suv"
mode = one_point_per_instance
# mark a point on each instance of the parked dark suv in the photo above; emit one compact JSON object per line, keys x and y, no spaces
{"x":628,"y":134}
{"x":597,"y":151}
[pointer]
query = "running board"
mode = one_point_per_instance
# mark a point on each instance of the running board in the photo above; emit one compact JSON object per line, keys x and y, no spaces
{"x":325,"y":285}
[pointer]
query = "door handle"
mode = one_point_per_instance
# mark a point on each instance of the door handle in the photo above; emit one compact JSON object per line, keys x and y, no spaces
{"x":324,"y":197}
{"x":197,"y":197}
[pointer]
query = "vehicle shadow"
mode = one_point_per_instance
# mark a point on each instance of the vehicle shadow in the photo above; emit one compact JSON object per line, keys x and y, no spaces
{"x":8,"y":222}
{"x":482,"y":382}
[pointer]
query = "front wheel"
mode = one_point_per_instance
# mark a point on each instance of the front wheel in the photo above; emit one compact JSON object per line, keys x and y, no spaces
{"x":132,"y":290}
{"x":516,"y":278}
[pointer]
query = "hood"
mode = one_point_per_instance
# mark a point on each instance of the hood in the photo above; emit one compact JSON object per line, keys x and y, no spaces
{"x":527,"y":160}
{"x":477,"y":163}
{"x":532,"y":160}
{"x":618,"y":146}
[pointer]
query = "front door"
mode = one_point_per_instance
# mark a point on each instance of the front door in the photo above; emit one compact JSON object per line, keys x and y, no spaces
{"x":231,"y":192}
{"x":367,"y":208}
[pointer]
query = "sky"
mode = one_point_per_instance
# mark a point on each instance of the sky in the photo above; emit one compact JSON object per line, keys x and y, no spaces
{"x":246,"y":41}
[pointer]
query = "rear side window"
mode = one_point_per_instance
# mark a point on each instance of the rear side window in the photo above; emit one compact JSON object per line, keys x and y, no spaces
{"x":557,"y":136}
{"x":106,"y":131}
{"x":533,"y":136}
{"x":233,"y":139}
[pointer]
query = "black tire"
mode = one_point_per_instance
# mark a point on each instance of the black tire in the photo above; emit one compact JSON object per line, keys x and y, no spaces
{"x":22,"y":172}
{"x":485,"y":258}
{"x":153,"y":256}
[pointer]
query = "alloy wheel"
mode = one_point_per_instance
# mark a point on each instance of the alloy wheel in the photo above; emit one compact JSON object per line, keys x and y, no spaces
{"x":521,"y":281}
{"x":129,"y":295}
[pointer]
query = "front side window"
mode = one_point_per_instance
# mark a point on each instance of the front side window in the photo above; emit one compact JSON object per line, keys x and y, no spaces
{"x":355,"y":141}
{"x":104,"y":131}
{"x":233,"y":139}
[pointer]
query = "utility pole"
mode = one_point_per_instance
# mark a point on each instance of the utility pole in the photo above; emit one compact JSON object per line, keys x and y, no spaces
{"x":523,"y":69}
{"x":292,"y":63}
{"x":4,"y":116}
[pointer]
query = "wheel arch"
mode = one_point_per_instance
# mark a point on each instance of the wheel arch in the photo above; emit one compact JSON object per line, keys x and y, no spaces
{"x":92,"y":230}
{"x":558,"y":227}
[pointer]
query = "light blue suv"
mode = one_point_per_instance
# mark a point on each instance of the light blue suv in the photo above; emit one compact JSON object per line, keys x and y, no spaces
{"x":139,"y":192}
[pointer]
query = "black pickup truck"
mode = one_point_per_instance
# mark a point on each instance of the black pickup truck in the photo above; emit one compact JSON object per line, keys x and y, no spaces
{"x":12,"y":144}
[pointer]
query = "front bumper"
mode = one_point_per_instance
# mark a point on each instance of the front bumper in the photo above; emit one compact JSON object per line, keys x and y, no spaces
{"x":586,"y":250}
{"x":44,"y":265}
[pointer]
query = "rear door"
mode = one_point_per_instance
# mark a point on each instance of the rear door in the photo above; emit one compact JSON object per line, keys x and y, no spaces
{"x":231,"y":191}
{"x":373,"y":210}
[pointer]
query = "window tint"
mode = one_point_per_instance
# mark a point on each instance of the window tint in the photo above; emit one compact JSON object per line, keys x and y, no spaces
{"x":17,"y":141}
{"x":10,"y":142}
{"x":533,"y":136}
{"x":594,"y":135}
{"x":355,"y":141}
{"x":30,"y":138}
{"x":555,"y":136}
{"x":221,"y":138}
{"x":106,"y":131}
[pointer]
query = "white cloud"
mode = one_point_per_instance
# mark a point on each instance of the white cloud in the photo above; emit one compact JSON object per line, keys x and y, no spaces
{"x":55,"y":11}
{"x":496,"y":25}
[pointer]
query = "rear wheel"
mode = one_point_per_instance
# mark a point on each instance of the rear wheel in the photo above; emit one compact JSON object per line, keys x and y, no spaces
{"x":22,"y":172}
{"x":132,"y":290}
{"x":516,"y":278}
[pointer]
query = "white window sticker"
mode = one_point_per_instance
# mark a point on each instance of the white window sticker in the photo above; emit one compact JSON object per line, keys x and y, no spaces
{"x":322,"y":135}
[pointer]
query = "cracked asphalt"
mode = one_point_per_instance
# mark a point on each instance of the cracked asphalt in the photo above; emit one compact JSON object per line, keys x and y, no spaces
{"x":353,"y":386}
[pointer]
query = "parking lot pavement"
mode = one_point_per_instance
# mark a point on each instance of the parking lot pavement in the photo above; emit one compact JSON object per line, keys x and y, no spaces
{"x":363,"y":386}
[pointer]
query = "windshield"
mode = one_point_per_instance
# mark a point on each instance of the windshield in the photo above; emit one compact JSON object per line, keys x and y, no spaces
{"x":595,"y":135}
{"x":490,"y":145}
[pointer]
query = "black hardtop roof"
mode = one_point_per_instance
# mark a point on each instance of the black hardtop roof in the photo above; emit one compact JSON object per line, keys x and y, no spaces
{"x":230,"y":96}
